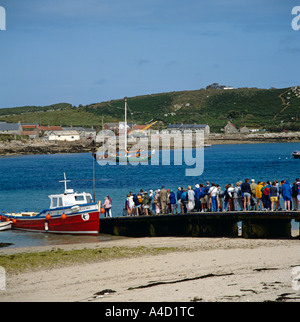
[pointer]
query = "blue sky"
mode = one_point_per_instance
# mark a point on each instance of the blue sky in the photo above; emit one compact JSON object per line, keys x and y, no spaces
{"x":87,"y":51}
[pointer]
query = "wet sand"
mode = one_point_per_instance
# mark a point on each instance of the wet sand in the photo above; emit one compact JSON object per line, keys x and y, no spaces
{"x":203,"y":269}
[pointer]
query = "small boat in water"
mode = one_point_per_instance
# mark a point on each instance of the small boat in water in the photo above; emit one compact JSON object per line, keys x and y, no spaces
{"x":69,"y":213}
{"x":296,"y":154}
{"x":126,"y":156}
{"x":5,"y":225}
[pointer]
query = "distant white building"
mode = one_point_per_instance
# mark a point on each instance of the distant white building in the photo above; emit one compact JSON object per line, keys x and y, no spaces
{"x":64,"y":136}
{"x":84,"y":133}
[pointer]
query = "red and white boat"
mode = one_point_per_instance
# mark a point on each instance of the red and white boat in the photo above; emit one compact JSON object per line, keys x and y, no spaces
{"x":69,"y":213}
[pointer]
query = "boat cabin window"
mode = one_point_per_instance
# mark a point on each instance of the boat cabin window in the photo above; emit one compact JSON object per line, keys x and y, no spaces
{"x":60,"y":202}
{"x":88,"y":199}
{"x":79,"y":198}
{"x":56,"y":202}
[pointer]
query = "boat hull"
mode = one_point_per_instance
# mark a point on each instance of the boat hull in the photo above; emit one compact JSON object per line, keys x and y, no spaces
{"x":75,"y":224}
{"x":132,"y":159}
{"x":5,"y":225}
{"x":296,"y":155}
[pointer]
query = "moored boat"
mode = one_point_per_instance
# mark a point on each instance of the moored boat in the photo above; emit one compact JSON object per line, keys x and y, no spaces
{"x":6,"y":225}
{"x":126,"y":156}
{"x":296,"y":154}
{"x":69,"y":213}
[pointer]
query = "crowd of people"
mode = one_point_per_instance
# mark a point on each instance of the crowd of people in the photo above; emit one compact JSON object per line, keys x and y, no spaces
{"x":244,"y":196}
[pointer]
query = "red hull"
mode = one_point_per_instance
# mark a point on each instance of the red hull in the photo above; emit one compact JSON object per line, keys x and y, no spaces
{"x":73,"y":224}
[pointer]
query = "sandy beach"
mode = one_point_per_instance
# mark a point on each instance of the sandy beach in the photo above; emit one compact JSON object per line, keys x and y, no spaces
{"x":200,"y":269}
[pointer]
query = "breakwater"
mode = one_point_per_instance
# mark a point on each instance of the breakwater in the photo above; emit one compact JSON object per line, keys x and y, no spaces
{"x":253,"y":225}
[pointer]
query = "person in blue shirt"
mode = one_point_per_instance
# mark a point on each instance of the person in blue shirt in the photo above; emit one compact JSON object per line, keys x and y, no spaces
{"x":179,"y":193}
{"x":246,"y":191}
{"x":172,"y":199}
{"x":184,"y":200}
{"x":197,"y":198}
{"x":287,"y":195}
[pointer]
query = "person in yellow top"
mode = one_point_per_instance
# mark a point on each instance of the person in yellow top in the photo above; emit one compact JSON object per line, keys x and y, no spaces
{"x":258,"y":195}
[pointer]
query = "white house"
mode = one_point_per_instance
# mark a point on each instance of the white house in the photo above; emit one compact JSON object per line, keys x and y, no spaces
{"x":64,"y":136}
{"x":84,"y":133}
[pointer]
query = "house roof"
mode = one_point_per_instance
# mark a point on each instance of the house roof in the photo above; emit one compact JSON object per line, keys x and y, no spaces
{"x":138,"y":127}
{"x":31,"y":126}
{"x":82,"y":129}
{"x":10,"y":126}
{"x":187,"y":126}
{"x":35,"y":124}
{"x":66,"y":133}
{"x":50,"y":128}
{"x":230,"y":124}
{"x":29,"y":133}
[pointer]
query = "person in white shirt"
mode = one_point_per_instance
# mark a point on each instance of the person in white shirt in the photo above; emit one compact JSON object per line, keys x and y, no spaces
{"x":213,"y":191}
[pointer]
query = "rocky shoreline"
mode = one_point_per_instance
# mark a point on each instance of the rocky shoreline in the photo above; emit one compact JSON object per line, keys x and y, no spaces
{"x":42,"y":147}
{"x":29,"y":147}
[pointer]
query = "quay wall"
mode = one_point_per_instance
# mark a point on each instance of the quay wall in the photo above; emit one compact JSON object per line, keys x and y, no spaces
{"x":253,"y":225}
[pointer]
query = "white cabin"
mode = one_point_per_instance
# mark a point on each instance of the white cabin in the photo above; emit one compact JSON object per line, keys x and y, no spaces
{"x":69,"y":198}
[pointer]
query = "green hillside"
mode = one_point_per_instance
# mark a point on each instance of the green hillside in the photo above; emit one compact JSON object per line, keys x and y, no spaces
{"x":274,"y":109}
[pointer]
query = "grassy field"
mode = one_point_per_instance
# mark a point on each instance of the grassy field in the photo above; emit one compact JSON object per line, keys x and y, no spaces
{"x":252,"y":107}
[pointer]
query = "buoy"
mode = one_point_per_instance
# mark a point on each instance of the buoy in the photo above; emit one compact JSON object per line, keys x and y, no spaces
{"x":48,"y":216}
{"x":102,"y":210}
{"x":7,"y":219}
{"x":63,"y":216}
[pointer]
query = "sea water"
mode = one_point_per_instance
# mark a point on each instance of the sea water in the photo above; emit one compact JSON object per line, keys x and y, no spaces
{"x":26,"y":181}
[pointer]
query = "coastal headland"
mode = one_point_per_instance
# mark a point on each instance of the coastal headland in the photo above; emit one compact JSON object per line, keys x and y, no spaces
{"x":38,"y":146}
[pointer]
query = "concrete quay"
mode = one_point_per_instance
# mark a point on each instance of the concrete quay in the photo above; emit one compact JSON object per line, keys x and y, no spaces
{"x":254,"y":224}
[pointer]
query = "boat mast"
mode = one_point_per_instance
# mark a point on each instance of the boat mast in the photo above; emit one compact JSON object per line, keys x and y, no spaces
{"x":65,"y":181}
{"x":125,"y":125}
